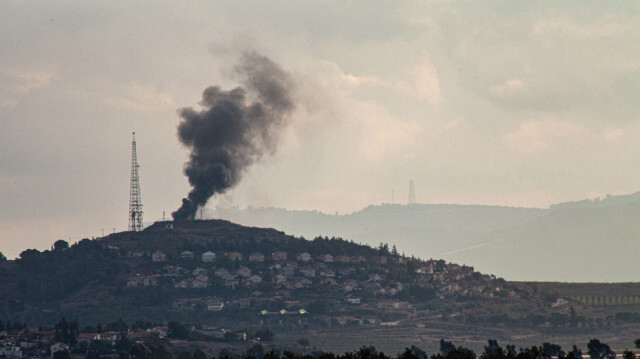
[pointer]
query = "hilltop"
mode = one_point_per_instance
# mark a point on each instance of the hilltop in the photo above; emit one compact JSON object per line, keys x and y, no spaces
{"x":172,"y":266}
{"x":217,"y":274}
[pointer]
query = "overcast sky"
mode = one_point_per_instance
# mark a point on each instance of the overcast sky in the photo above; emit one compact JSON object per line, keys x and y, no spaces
{"x":488,"y":102}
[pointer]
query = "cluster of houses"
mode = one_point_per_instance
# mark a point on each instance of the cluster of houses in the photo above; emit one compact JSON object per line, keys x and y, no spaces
{"x":284,"y":272}
{"x":341,"y":275}
{"x":41,"y":343}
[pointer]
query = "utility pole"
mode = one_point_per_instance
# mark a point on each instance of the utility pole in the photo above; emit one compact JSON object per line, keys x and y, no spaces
{"x":135,"y":202}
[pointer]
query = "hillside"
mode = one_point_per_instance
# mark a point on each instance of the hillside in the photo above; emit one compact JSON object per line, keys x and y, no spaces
{"x":216,"y":274}
{"x":171,"y":268}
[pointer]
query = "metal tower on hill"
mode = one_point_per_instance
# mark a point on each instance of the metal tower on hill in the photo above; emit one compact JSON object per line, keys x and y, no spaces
{"x":412,"y":193}
{"x":135,"y":202}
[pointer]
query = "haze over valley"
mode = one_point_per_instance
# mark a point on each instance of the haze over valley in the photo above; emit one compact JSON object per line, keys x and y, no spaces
{"x":594,"y":240}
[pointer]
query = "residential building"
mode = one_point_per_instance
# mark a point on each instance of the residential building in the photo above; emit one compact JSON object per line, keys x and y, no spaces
{"x":256,"y":257}
{"x":215,"y":305}
{"x":303,"y":257}
{"x":208,"y":257}
{"x":159,"y":256}
{"x":188,"y":255}
{"x":233,"y":255}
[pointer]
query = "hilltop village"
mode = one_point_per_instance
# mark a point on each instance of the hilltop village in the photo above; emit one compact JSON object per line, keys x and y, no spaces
{"x":323,"y":282}
{"x":225,"y":282}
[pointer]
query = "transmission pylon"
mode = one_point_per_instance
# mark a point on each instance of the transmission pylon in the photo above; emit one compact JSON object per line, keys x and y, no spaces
{"x":135,"y":202}
{"x":412,"y":193}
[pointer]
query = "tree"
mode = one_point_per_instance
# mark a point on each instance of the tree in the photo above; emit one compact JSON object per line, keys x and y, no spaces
{"x":493,"y":350}
{"x":256,"y":351}
{"x":199,"y":354}
{"x":628,"y":354}
{"x":446,"y":347}
{"x":123,"y":344}
{"x":66,"y":332}
{"x":225,"y":353}
{"x":29,"y":254}
{"x":119,"y":326}
{"x":574,"y":353}
{"x":413,"y":353}
{"x":60,"y":245}
{"x":140,"y":351}
{"x":158,"y":351}
{"x":3,"y":258}
{"x":598,"y":350}
{"x":637,"y":343}
{"x":552,"y":350}
{"x":178,"y":330}
{"x":532,"y":353}
{"x":61,"y":354}
{"x":184,"y":355}
{"x":461,"y":353}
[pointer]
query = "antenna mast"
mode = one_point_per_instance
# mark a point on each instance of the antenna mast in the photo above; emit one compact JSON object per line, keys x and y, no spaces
{"x":135,"y":202}
{"x":412,"y":193}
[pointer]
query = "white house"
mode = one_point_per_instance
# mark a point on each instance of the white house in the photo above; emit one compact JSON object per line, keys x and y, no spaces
{"x":9,"y":350}
{"x":353,"y":300}
{"x":256,"y":257}
{"x":215,"y":305}
{"x":159,"y":256}
{"x":198,"y":271}
{"x":186,"y":255}
{"x":208,"y":257}
{"x":303,"y":257}
{"x":244,"y":272}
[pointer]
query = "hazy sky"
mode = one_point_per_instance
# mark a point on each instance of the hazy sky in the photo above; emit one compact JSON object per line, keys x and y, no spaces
{"x":489,"y":102}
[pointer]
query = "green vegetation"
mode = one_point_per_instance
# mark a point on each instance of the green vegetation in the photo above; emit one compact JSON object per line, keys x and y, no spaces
{"x":261,"y":283}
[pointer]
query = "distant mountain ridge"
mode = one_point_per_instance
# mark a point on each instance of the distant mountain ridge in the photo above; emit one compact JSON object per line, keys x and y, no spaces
{"x":608,"y":200}
{"x":488,"y":237}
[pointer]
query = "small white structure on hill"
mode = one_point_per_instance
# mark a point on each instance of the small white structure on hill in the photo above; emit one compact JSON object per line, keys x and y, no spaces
{"x":208,"y":257}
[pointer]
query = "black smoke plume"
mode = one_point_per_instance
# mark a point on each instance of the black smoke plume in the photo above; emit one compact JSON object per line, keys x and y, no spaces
{"x":229,"y":133}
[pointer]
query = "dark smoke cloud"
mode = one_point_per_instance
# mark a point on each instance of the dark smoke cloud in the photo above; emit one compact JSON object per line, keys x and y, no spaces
{"x":229,"y":134}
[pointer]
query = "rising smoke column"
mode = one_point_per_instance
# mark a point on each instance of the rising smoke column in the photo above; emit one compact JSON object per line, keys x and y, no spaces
{"x":229,"y":134}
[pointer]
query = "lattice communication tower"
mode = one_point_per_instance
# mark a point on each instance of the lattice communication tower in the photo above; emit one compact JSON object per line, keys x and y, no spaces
{"x":412,"y":193}
{"x":135,"y":202}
